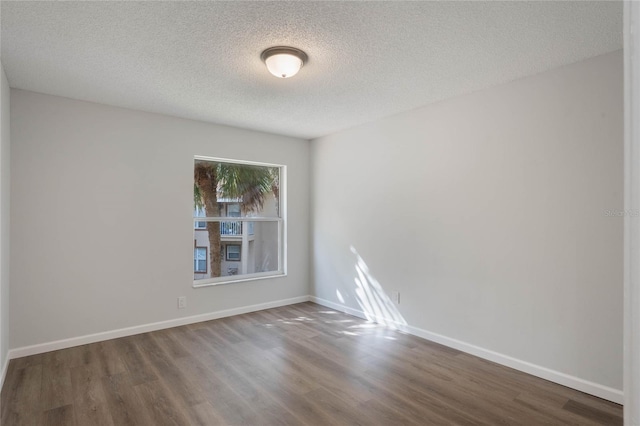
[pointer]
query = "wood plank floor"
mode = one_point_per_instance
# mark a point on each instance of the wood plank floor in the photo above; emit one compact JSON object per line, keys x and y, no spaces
{"x":302,"y":364}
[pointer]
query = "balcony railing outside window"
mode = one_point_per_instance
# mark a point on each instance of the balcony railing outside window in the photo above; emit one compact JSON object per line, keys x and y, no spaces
{"x":234,"y":228}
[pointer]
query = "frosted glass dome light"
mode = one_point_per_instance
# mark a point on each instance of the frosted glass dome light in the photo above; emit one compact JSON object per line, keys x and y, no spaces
{"x":284,"y":62}
{"x":283,"y":65}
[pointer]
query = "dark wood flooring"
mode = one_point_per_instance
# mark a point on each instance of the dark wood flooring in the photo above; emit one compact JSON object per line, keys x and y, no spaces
{"x":302,"y":364}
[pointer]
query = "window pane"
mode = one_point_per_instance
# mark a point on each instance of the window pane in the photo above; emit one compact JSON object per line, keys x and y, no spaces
{"x":256,"y":251}
{"x":242,"y":190}
{"x":264,"y":249}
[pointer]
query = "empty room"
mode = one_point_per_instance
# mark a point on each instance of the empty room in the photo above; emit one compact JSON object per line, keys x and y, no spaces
{"x":319,"y":213}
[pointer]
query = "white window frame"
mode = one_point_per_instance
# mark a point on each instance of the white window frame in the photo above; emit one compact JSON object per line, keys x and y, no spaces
{"x":281,"y":220}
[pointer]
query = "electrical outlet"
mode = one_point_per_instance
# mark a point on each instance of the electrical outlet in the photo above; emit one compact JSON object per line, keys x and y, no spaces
{"x":182,"y":302}
{"x":395,"y":296}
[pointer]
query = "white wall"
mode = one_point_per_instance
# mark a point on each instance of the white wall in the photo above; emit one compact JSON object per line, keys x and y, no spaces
{"x":632,"y":222}
{"x":487,"y":213}
{"x":5,"y":187}
{"x":91,"y":183}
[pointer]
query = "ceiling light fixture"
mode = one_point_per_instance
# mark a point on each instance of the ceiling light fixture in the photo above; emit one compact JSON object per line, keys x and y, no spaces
{"x":284,"y":62}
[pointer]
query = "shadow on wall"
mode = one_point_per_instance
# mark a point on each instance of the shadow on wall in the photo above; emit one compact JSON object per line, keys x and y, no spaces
{"x":370,"y":295}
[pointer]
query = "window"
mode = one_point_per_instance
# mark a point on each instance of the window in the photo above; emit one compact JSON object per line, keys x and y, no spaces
{"x":239,"y":208}
{"x":233,"y":252}
{"x":200,"y":260}
{"x":199,"y":212}
{"x":233,"y":210}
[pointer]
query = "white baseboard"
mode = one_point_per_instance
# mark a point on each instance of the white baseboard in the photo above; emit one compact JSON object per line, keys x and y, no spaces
{"x":573,"y":382}
{"x":130,"y":331}
{"x":582,"y":385}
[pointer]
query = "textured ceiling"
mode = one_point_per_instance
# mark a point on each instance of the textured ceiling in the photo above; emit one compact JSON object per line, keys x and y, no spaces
{"x":367,"y":60}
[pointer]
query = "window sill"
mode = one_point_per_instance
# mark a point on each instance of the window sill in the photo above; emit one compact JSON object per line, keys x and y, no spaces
{"x":238,"y":279}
